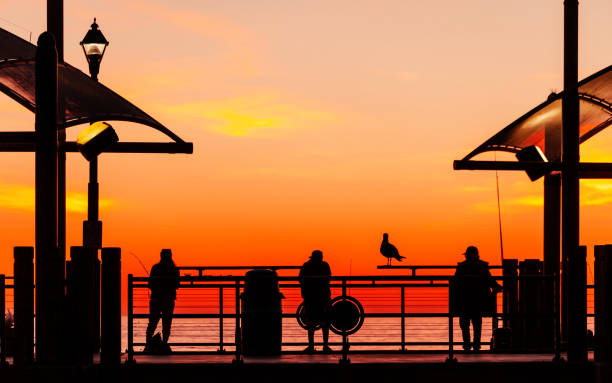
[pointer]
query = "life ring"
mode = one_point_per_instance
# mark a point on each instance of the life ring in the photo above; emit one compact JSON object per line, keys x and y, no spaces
{"x":346,"y":316}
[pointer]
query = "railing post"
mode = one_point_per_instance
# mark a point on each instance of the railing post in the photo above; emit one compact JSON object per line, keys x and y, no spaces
{"x":403,"y":312}
{"x":510,"y":300}
{"x":557,"y":314}
{"x":2,"y":321}
{"x":221,"y":319}
{"x":451,"y":352}
{"x":237,"y":337}
{"x":345,"y":344}
{"x":130,"y":318}
{"x":603,"y":303}
{"x":111,"y":306}
{"x":96,"y":302}
{"x":23,"y":298}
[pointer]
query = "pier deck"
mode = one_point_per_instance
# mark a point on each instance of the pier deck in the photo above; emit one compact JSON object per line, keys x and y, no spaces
{"x":319,"y":368}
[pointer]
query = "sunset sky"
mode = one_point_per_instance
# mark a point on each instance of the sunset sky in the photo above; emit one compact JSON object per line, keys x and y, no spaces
{"x":316,"y":125}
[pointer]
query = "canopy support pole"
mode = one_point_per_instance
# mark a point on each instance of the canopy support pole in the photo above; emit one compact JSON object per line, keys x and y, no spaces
{"x":552,"y":224}
{"x":575,"y":273}
{"x":49,"y":266}
{"x":55,"y":25}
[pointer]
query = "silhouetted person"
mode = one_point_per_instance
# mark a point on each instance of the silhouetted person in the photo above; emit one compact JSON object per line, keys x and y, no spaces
{"x":314,"y":282}
{"x":163,"y":283}
{"x":472,"y":294}
{"x":388,"y":250}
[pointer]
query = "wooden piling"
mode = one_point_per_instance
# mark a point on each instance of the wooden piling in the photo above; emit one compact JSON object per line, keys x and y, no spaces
{"x":110,"y":340}
{"x":49,"y":265}
{"x":530,"y":302}
{"x":23,"y":296}
{"x":510,"y":298}
{"x":82,"y":281}
{"x":603,"y":303}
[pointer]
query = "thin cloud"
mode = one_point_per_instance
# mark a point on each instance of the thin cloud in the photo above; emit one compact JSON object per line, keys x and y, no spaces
{"x":592,"y":193}
{"x":258,"y":115}
{"x":595,"y":193}
{"x":22,"y":197}
{"x":530,"y":200}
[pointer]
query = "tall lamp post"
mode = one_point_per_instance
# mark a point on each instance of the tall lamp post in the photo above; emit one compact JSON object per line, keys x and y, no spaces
{"x":94,"y":45}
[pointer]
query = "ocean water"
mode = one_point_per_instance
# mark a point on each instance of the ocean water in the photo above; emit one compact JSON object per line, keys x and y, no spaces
{"x":375,"y":300}
{"x":373,"y":330}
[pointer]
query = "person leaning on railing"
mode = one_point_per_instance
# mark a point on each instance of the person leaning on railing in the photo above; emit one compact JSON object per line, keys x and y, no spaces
{"x":473,"y":290}
{"x":315,"y":276}
{"x":163,"y":283}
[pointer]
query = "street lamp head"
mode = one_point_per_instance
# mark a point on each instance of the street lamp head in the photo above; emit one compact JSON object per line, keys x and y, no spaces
{"x":96,"y":138}
{"x":532,"y":153}
{"x":94,"y":44}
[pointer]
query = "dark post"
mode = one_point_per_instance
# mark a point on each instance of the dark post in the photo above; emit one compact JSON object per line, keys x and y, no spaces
{"x":403,"y":313}
{"x":82,"y":270}
{"x":603,"y":303}
{"x":92,"y":228}
{"x":451,"y":351}
{"x":510,"y":299}
{"x":577,"y":306}
{"x":92,"y":238}
{"x":237,"y":334}
{"x":130,"y":318}
{"x":96,"y":301}
{"x":552,"y":224}
{"x":111,"y":306}
{"x":23,"y":297}
{"x":563,"y":298}
{"x":49,"y":265}
{"x":557,"y":318}
{"x":2,"y":321}
{"x":221,"y":319}
{"x":529,"y":301}
{"x":55,"y":25}
{"x":576,"y":283}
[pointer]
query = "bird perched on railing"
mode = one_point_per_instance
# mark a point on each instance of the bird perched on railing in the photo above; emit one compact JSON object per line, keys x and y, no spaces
{"x":388,"y":250}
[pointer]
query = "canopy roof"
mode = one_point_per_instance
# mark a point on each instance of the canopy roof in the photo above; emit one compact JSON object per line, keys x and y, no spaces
{"x":85,"y":100}
{"x":595,"y":93}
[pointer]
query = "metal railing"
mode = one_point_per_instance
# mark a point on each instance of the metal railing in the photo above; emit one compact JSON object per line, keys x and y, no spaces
{"x":414,"y":268}
{"x":5,"y":284}
{"x":386,"y":298}
{"x":200,"y":270}
{"x":407,"y":301}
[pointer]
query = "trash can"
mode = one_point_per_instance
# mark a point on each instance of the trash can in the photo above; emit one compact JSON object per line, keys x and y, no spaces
{"x":261,"y":319}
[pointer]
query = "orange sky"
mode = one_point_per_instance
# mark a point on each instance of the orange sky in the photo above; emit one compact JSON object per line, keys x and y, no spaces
{"x":316,"y":125}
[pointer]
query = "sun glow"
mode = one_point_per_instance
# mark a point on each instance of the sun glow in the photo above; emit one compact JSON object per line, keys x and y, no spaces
{"x":21,"y":197}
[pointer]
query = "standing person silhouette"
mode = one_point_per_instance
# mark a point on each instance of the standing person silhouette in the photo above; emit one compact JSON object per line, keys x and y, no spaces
{"x":473,"y":298}
{"x":163,"y":283}
{"x":314,"y":277}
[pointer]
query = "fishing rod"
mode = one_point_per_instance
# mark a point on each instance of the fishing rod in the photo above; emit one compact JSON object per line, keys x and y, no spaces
{"x":501,"y":240}
{"x":139,"y":261}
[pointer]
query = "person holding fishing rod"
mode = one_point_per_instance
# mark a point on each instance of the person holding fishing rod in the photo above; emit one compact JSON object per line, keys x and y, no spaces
{"x":163,"y":283}
{"x":474,"y":293}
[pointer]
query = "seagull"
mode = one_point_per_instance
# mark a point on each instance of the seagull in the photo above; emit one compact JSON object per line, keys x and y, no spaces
{"x":388,"y":250}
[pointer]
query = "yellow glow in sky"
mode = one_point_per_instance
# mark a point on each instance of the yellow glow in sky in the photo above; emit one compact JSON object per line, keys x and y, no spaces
{"x":316,"y":125}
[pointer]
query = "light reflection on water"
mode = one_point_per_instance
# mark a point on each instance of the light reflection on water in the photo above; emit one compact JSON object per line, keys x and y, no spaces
{"x":373,"y":330}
